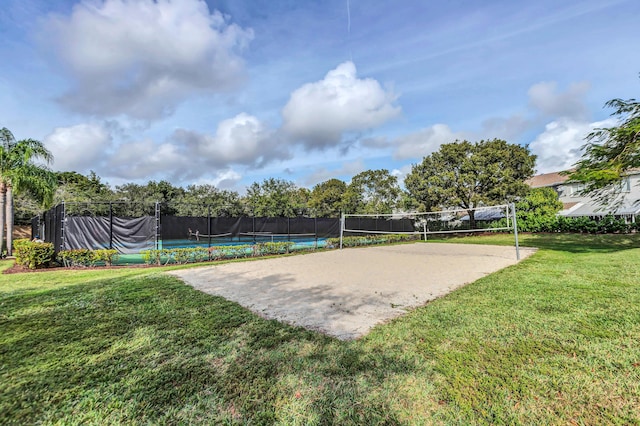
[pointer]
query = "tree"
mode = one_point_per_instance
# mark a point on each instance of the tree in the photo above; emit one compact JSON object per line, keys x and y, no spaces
{"x":200,"y":200}
{"x":537,"y":211}
{"x":611,"y":152}
{"x":327,"y":197}
{"x":77,"y":188}
{"x":20,"y":174}
{"x":141,"y":198}
{"x":275,"y":198}
{"x":469,"y":175}
{"x":372,"y":191}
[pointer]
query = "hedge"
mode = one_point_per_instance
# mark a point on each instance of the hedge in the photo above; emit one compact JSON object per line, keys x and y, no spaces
{"x":199,"y":254}
{"x":33,"y":254}
{"x":87,"y":257}
{"x":367,"y":240}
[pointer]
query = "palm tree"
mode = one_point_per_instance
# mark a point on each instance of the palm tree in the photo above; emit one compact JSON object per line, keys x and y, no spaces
{"x":19,"y":173}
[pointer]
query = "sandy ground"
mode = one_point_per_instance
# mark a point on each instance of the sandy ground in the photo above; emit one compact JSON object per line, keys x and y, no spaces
{"x":344,"y":293}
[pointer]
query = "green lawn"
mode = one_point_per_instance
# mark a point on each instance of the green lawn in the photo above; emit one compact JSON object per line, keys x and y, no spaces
{"x":552,"y":340}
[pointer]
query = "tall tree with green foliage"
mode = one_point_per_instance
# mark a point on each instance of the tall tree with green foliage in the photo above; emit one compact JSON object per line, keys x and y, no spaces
{"x":372,"y":191}
{"x":200,"y":200}
{"x":611,"y":152}
{"x":141,"y":198}
{"x":468,"y":175}
{"x":19,"y":173}
{"x":537,"y":211}
{"x":77,"y":188}
{"x":326,"y":198}
{"x":275,"y":198}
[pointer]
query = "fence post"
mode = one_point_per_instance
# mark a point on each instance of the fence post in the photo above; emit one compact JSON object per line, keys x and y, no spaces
{"x":157,"y":213}
{"x":515,"y":230}
{"x":62,"y":221}
{"x":110,"y":226}
{"x":341,"y":228}
{"x":209,"y":225}
{"x":315,"y":230}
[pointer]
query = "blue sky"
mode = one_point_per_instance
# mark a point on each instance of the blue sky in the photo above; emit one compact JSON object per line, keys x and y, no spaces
{"x":230,"y":92}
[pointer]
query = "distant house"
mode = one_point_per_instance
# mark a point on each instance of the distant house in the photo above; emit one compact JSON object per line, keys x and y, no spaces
{"x":575,"y":204}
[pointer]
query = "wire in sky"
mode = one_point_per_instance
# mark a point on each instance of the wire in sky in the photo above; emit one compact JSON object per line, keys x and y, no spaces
{"x":348,"y":18}
{"x":349,"y":27}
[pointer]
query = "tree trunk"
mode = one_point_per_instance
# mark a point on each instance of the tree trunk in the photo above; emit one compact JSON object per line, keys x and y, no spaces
{"x":9,"y":219}
{"x":472,"y":219}
{"x":3,"y":191}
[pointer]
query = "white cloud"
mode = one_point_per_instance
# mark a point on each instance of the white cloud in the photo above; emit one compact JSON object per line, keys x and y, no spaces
{"x":559,"y":147}
{"x":223,"y":179}
{"x":319,"y":113}
{"x":146,"y":159}
{"x":424,"y":142}
{"x":242,"y":139}
{"x":319,"y":175}
{"x":143,"y":57}
{"x":401,"y":173}
{"x":570,"y":104}
{"x":505,"y":128}
{"x":79,"y":148}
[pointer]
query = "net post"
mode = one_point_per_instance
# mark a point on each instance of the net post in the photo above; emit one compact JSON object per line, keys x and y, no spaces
{"x":157,"y":214}
{"x":209,"y":227}
{"x":62,"y":223}
{"x":424,"y":229}
{"x":341,"y":228}
{"x":515,"y":230}
{"x":110,"y":226}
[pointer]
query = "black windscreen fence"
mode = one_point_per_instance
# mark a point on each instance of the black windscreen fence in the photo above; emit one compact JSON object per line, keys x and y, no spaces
{"x":126,"y":235}
{"x":48,"y":226}
{"x":108,"y":226}
{"x":380,"y":225}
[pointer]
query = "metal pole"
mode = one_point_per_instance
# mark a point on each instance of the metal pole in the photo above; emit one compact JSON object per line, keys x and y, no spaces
{"x":515,"y":230}
{"x":157,"y":213}
{"x":209,"y":224}
{"x":424,"y":225}
{"x":63,"y":220}
{"x":110,"y":226}
{"x":341,"y":228}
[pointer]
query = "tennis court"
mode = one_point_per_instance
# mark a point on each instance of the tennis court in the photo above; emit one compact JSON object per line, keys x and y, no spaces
{"x":345,"y":293}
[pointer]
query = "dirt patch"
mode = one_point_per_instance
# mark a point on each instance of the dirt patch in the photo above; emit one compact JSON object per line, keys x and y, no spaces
{"x":21,"y":231}
{"x":344,"y":293}
{"x":19,"y":269}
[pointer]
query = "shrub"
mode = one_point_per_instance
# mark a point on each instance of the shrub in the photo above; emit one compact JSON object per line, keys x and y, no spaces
{"x":107,"y":256}
{"x":87,"y":257}
{"x":76,"y":257}
{"x":152,"y":256}
{"x":33,"y":254}
{"x":230,"y":252}
{"x":271,"y":248}
{"x":199,"y":254}
{"x":367,"y":240}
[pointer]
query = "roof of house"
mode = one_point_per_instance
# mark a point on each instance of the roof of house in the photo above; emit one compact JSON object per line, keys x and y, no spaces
{"x":568,"y":206}
{"x":546,"y":179}
{"x":593,"y":209}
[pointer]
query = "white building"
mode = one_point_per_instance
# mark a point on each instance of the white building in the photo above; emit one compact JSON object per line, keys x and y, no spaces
{"x":626,"y":205}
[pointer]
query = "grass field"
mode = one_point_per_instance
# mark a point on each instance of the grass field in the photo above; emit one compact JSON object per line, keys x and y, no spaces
{"x":552,"y":340}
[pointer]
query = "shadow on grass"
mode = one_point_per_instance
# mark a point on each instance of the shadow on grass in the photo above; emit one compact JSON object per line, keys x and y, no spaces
{"x":153,"y":350}
{"x":584,"y":243}
{"x":571,"y":243}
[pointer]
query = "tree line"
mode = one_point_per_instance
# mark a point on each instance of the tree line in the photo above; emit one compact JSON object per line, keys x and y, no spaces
{"x":460,"y":174}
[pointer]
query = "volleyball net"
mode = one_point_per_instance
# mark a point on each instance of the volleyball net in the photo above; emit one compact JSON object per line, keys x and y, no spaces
{"x":453,"y":221}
